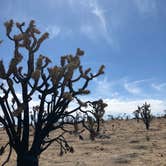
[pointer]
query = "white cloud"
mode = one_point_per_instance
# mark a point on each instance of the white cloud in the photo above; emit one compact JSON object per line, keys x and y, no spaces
{"x":118,"y":106}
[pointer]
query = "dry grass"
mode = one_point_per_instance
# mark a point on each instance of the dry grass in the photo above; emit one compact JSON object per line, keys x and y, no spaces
{"x":130,"y":145}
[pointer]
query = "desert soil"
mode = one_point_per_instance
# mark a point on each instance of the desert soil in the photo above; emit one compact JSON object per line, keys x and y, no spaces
{"x":129,"y":144}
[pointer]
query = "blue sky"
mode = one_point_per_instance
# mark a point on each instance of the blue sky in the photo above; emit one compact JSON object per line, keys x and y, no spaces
{"x":128,"y":36}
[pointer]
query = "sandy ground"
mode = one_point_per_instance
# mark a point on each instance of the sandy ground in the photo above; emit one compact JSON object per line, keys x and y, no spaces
{"x":129,"y":144}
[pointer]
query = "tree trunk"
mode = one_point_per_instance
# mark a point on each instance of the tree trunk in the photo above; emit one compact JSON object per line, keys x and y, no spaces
{"x":147,"y":126}
{"x":98,"y":126}
{"x":92,"y":135}
{"x":27,"y":160}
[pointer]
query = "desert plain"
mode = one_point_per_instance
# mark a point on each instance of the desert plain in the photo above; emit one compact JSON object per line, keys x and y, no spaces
{"x":126,"y":142}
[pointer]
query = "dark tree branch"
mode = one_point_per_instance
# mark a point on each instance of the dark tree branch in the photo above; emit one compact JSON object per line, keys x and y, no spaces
{"x":56,"y":87}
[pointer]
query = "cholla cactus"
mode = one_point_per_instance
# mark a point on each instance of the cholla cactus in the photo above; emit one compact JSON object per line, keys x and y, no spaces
{"x":54,"y":86}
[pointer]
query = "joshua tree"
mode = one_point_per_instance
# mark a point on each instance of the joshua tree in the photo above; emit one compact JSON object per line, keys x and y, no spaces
{"x":54,"y":86}
{"x":94,"y":117}
{"x":98,"y":112}
{"x":145,"y":114}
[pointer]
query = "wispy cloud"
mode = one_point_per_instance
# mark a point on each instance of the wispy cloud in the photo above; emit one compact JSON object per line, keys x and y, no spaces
{"x":133,"y":87}
{"x":98,"y":12}
{"x":118,"y":88}
{"x":136,"y":87}
{"x":86,"y":17}
{"x":53,"y":31}
{"x":97,"y":23}
{"x":146,"y":6}
{"x":104,"y":88}
{"x":159,"y":87}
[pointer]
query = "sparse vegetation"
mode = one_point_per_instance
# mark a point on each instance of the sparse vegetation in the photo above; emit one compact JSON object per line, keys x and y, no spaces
{"x":32,"y":128}
{"x":127,"y":142}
